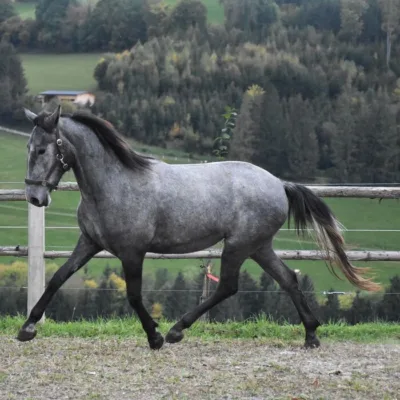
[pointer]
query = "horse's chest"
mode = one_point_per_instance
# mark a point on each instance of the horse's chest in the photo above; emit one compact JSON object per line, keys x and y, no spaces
{"x":111,"y":230}
{"x":94,"y":226}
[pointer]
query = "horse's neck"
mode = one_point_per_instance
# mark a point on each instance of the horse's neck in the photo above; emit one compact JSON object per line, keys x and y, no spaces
{"x":94,"y":167}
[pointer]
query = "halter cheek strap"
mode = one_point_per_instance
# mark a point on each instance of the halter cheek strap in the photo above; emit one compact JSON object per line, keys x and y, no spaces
{"x":60,"y":158}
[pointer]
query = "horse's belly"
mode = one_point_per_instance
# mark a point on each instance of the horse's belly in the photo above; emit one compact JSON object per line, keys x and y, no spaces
{"x":169,"y":245}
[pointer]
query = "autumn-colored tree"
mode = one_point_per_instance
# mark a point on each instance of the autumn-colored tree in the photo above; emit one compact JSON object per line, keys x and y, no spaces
{"x":390,"y":10}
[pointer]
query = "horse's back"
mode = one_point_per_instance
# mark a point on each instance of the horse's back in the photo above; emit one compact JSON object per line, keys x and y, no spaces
{"x":220,"y":199}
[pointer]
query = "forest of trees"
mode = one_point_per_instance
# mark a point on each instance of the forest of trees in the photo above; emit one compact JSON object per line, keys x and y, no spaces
{"x":170,"y":297}
{"x":315,"y":82}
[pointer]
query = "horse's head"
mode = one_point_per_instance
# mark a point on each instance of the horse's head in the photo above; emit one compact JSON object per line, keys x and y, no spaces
{"x":46,"y":163}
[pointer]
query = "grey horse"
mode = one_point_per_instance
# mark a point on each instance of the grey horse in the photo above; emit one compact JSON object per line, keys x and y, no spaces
{"x":131,"y":204}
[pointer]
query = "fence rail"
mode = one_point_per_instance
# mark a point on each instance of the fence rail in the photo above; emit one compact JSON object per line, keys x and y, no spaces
{"x":380,"y":192}
{"x":310,"y":255}
{"x":36,"y":251}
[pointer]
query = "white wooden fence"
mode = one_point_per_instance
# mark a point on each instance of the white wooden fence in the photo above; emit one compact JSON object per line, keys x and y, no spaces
{"x":36,"y":251}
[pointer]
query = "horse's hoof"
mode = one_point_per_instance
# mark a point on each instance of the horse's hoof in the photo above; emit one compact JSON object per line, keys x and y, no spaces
{"x":312,"y":343}
{"x":156,"y":342}
{"x":26,"y":335}
{"x":174,"y":336}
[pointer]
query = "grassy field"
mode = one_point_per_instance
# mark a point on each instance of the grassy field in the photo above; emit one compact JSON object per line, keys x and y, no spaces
{"x":59,"y":71}
{"x":362,"y":214}
{"x":25,"y":10}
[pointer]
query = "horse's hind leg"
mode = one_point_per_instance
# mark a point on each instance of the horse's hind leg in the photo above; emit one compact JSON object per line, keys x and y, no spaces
{"x":227,"y":286}
{"x":287,"y":280}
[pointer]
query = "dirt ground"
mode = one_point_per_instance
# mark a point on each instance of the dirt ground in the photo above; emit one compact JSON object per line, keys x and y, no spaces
{"x":61,"y":368}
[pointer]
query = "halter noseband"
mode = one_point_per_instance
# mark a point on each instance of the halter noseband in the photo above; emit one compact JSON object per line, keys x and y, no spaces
{"x":59,"y":157}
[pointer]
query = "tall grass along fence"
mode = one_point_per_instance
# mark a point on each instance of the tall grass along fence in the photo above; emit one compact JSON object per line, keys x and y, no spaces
{"x":36,"y":250}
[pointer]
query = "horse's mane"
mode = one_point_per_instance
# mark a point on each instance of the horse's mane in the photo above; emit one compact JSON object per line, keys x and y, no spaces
{"x":110,"y":138}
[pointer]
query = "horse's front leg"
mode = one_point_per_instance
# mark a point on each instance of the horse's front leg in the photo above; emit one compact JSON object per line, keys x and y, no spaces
{"x":133,"y":268}
{"x":83,"y":252}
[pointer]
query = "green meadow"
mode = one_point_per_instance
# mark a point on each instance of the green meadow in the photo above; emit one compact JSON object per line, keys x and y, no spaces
{"x":26,"y":9}
{"x":59,"y":71}
{"x":359,"y":214}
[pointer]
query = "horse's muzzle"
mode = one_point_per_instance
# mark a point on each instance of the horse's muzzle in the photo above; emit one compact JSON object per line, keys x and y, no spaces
{"x":38,"y":196}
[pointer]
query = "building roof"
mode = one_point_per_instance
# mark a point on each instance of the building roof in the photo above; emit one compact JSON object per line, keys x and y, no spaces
{"x":63,"y":92}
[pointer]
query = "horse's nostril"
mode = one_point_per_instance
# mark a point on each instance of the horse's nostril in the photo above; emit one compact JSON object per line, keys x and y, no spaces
{"x":35,"y":201}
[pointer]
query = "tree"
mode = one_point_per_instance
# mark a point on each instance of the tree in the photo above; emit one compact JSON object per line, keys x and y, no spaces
{"x":343,"y":138}
{"x":161,"y":279}
{"x":302,"y":145}
{"x":390,"y":10}
{"x":351,"y":12}
{"x":362,"y":310}
{"x":268,"y":299}
{"x":73,"y":23}
{"x":50,"y":17}
{"x":271,"y":151}
{"x":248,"y":125}
{"x":188,"y":14}
{"x":331,"y":309}
{"x":372,"y":23}
{"x":253,"y":17}
{"x":376,"y":140}
{"x":248,"y":297}
{"x":390,"y":305}
{"x":176,"y":301}
{"x":12,"y":80}
{"x":321,"y":14}
{"x":6,"y":10}
{"x":109,"y":27}
{"x":156,"y":15}
{"x":161,"y":282}
{"x":20,"y":33}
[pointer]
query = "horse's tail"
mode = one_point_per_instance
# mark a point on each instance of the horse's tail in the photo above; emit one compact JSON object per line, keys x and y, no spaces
{"x":308,"y":209}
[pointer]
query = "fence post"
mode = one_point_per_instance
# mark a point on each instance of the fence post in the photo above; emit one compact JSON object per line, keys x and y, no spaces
{"x":36,"y":248}
{"x":206,"y":290}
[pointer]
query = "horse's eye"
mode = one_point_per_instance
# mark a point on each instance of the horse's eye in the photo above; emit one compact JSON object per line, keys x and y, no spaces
{"x":41,"y":151}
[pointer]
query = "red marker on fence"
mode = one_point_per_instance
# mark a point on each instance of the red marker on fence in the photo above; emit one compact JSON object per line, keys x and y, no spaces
{"x":212,"y":277}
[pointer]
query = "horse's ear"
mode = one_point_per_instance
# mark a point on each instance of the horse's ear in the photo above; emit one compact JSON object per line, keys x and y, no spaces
{"x":30,"y":115}
{"x":51,"y":121}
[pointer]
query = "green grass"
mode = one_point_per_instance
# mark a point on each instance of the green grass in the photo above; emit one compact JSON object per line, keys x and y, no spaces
{"x":59,"y":71}
{"x":25,"y":10}
{"x":354,"y":213}
{"x":260,"y":328}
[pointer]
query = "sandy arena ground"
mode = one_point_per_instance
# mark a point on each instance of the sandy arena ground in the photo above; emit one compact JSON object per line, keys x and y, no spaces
{"x":61,"y":368}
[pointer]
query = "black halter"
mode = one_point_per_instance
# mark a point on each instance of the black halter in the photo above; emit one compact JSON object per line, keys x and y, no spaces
{"x":59,"y":157}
